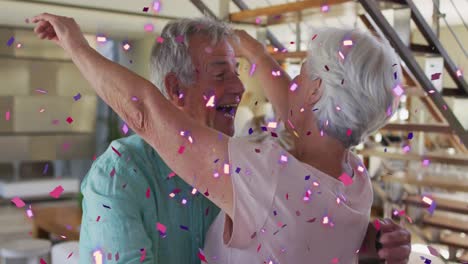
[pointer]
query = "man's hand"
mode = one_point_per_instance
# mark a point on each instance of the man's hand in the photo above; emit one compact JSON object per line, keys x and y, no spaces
{"x":396,"y":243}
{"x":246,"y":46}
{"x":64,"y":31}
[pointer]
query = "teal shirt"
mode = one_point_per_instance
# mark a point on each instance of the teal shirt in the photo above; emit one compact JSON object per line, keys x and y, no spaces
{"x":126,"y":193}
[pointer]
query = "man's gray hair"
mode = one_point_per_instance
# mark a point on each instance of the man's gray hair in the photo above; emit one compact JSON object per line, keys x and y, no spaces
{"x":358,"y":76}
{"x":170,"y":52}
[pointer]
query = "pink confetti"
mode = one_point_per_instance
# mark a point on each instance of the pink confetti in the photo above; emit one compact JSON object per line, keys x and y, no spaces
{"x":143,"y":254}
{"x":201,"y":256}
{"x":116,"y":152}
{"x":335,"y":260}
{"x":324,"y":8}
{"x":426,"y":162}
{"x":377,"y":224}
{"x":41,"y":91}
{"x":253,"y":67}
{"x":112,"y":173}
{"x":98,"y":218}
{"x":314,"y":37}
{"x":97,"y":255}
{"x":348,"y":42}
{"x":161,"y":228}
{"x":346,"y":179}
{"x":18,"y":202}
{"x":69,"y":120}
{"x":293,"y":87}
{"x":459,"y":73}
{"x":157,"y":6}
{"x":435,"y":76}
{"x":117,"y":256}
{"x":29,"y":212}
{"x":433,"y":251}
{"x":101,"y":39}
{"x":398,"y":91}
{"x":276,"y":73}
{"x":7,"y":115}
{"x":149,"y":27}
{"x":69,"y":255}
{"x":148,"y":193}
{"x":258,"y":20}
{"x":406,"y":149}
{"x":125,"y":129}
{"x":42,"y":261}
{"x":181,"y":149}
{"x":349,"y":132}
{"x":160,"y":40}
{"x":56,"y":192}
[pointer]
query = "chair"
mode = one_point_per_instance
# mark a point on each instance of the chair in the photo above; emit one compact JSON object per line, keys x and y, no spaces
{"x":31,"y":250}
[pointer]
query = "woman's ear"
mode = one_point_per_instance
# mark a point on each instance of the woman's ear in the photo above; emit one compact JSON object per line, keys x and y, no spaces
{"x":174,"y":89}
{"x":314,"y":94}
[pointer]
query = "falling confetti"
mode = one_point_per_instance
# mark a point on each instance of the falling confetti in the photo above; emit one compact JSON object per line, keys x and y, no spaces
{"x":459,"y":73}
{"x":125,"y":129}
{"x":97,"y":255}
{"x":433,"y":251}
{"x":406,"y":149}
{"x":211,"y":102}
{"x":161,"y":228}
{"x":181,"y":149}
{"x":293,"y":87}
{"x":148,"y":193}
{"x":77,"y":97}
{"x":349,"y":132}
{"x":116,"y":151}
{"x":324,"y":8}
{"x":156,"y":6}
{"x":184,"y":228}
{"x":56,"y":192}
{"x":377,"y":224}
{"x":426,"y":162}
{"x":112,"y":173}
{"x":7,"y":115}
{"x":18,"y":202}
{"x":160,"y":39}
{"x":143,"y":254}
{"x":41,"y":91}
{"x":29,"y":212}
{"x":10,"y":41}
{"x":435,"y":76}
{"x":145,"y":9}
{"x":398,"y":91}
{"x":46,"y":167}
{"x":101,"y":39}
{"x":347,"y":42}
{"x":42,"y":261}
{"x":346,"y":179}
{"x":179,"y":39}
{"x":410,"y":135}
{"x":69,"y":120}
{"x":253,"y":67}
{"x":148,"y":27}
{"x":201,"y":256}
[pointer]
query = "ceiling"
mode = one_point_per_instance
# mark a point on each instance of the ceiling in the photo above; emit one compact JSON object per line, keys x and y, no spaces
{"x":125,"y":18}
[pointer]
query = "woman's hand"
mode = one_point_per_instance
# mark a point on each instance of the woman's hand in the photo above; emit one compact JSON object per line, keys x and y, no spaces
{"x":396,"y":242}
{"x":247,"y":47}
{"x":62,"y":30}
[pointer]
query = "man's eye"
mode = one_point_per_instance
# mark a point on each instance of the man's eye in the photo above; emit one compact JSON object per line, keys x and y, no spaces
{"x":219,"y":76}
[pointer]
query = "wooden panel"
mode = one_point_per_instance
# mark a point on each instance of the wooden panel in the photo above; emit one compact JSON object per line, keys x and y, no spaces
{"x":436,"y":128}
{"x":442,"y":222}
{"x":446,"y":183}
{"x":58,"y":221}
{"x":458,"y":159}
{"x":454,"y":240}
{"x":443,"y":204}
{"x":280,"y":9}
{"x":292,"y":55}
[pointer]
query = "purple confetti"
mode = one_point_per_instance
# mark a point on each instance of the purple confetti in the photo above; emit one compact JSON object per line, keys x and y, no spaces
{"x":10,"y":41}
{"x":46,"y":167}
{"x":250,"y":131}
{"x":435,"y":76}
{"x":184,"y":227}
{"x":238,"y":170}
{"x":77,"y":97}
{"x":307,"y":177}
{"x":106,"y":206}
{"x":410,"y":135}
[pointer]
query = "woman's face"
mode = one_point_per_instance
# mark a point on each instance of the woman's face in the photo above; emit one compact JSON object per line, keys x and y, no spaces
{"x":304,"y":97}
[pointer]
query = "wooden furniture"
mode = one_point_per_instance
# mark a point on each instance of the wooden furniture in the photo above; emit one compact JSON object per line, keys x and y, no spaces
{"x":428,"y":181}
{"x":443,"y":204}
{"x":63,"y":221}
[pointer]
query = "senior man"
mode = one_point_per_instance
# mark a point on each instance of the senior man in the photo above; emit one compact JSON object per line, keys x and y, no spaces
{"x":135,"y":210}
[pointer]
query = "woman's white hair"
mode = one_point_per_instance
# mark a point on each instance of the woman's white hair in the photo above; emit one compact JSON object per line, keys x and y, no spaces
{"x":359,"y":72}
{"x":170,"y":52}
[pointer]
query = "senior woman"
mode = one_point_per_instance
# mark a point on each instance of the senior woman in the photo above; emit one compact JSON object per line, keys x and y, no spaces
{"x":310,"y":205}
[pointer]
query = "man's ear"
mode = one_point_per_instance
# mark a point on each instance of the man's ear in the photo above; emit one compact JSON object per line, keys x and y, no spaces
{"x":174,"y":89}
{"x":315,"y":93}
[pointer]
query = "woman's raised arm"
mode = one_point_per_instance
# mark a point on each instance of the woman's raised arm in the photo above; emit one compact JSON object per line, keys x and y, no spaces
{"x":142,"y":106}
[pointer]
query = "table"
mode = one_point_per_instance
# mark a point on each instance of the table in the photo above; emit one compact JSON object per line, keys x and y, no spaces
{"x":63,"y":221}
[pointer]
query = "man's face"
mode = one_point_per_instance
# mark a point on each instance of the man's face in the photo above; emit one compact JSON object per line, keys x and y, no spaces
{"x":217,"y":89}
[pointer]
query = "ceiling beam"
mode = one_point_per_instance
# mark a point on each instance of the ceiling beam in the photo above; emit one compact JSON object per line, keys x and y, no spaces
{"x":281,"y":9}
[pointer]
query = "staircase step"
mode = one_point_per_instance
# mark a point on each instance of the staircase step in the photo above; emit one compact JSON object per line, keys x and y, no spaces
{"x":435,"y":181}
{"x":415,"y":127}
{"x":456,"y":159}
{"x":444,"y":222}
{"x":443,"y":204}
